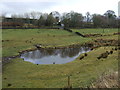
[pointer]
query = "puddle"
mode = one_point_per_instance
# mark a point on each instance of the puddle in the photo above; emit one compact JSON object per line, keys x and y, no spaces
{"x":54,"y":56}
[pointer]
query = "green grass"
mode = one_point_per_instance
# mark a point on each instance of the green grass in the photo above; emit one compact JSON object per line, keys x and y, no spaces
{"x":96,"y":31}
{"x":23,"y":74}
{"x":108,"y":33}
{"x":107,"y":37}
{"x":46,"y":37}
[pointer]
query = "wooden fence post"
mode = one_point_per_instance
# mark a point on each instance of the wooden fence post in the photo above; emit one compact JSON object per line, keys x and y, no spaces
{"x":68,"y":81}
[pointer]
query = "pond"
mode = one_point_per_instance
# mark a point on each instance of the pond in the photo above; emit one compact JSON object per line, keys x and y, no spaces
{"x":54,"y":56}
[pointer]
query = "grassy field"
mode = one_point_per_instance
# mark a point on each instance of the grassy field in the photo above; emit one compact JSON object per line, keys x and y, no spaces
{"x":22,"y":39}
{"x":107,"y":33}
{"x":21,"y":74}
{"x":96,"y":31}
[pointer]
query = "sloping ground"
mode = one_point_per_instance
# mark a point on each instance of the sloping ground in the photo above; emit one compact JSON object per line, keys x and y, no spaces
{"x":99,"y":35}
{"x":77,"y":33}
{"x":15,"y":40}
{"x":97,"y":31}
{"x":83,"y":72}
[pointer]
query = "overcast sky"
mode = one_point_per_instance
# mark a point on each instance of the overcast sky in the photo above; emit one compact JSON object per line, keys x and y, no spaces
{"x":80,"y":6}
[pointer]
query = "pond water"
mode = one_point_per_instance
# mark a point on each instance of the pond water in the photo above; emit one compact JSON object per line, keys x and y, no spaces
{"x":53,"y":56}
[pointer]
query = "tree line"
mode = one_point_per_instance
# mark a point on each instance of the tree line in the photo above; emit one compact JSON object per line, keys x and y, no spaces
{"x":53,"y":19}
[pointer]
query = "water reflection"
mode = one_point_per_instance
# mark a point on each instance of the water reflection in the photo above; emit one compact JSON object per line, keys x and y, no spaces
{"x":54,"y":56}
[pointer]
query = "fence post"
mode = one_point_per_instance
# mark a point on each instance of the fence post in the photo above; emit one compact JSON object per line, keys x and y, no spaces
{"x":68,"y":81}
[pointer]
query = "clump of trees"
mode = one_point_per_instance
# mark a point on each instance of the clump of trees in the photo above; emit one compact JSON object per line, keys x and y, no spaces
{"x":108,"y":20}
{"x":70,"y":20}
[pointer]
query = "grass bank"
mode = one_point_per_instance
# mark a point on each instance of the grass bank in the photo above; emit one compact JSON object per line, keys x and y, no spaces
{"x":21,"y":74}
{"x":83,"y":72}
{"x":104,"y":31}
{"x":15,"y":40}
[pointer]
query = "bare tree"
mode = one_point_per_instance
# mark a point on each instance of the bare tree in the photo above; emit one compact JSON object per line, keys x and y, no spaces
{"x":27,"y":15}
{"x":35,"y":15}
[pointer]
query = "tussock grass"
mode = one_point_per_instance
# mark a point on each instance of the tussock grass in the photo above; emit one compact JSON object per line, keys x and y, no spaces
{"x":107,"y":80}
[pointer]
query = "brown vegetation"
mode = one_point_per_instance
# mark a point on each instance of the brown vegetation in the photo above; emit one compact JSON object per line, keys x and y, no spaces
{"x":107,"y":81}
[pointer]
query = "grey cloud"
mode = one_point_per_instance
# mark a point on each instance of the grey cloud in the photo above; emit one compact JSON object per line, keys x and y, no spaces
{"x":22,"y":7}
